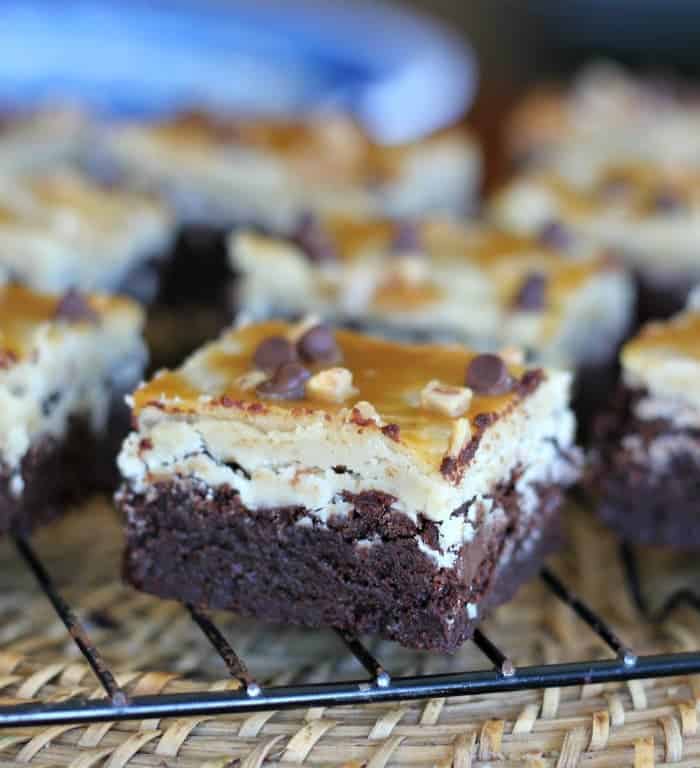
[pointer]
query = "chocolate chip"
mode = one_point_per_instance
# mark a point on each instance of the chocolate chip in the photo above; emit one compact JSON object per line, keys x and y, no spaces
{"x":73,"y":307}
{"x":318,"y":345}
{"x":488,"y":375}
{"x":313,"y":240}
{"x":287,"y":382}
{"x":531,"y":295}
{"x":554,"y":234}
{"x":667,"y":201}
{"x":614,"y":188}
{"x":273,"y":352}
{"x":407,"y":237}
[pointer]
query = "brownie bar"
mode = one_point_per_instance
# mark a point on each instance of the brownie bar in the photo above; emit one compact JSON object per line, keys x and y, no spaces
{"x":58,"y":473}
{"x":212,"y":551}
{"x":646,"y":475}
{"x":269,"y":171}
{"x":605,"y":114}
{"x":284,"y":459}
{"x":66,"y":363}
{"x":60,"y":229}
{"x":644,"y":470}
{"x":645,"y":214}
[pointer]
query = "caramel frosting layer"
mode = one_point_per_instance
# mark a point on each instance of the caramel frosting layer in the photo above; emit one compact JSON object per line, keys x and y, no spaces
{"x":664,"y":360}
{"x":332,"y":145}
{"x":387,"y":375}
{"x":25,"y":313}
{"x":505,"y":258}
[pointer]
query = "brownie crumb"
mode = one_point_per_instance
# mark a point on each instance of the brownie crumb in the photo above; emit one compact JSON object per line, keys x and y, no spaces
{"x":392,"y":431}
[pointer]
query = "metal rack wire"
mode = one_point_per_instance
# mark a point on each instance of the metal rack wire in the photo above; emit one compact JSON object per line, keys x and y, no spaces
{"x":379,"y":687}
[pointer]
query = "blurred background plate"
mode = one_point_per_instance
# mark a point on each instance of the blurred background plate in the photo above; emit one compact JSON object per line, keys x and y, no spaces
{"x":400,"y":73}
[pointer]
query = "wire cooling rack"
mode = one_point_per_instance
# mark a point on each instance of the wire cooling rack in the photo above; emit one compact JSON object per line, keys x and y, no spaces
{"x":379,"y":686}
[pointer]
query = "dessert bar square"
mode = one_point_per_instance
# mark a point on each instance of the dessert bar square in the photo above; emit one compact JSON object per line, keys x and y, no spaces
{"x":41,"y":139}
{"x":60,"y":229}
{"x":66,"y":363}
{"x":605,"y":115}
{"x":646,"y":215}
{"x":223,"y":170}
{"x":299,"y":475}
{"x":645,"y":467}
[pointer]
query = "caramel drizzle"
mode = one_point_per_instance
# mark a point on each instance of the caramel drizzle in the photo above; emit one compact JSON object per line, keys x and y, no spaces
{"x":388,"y":375}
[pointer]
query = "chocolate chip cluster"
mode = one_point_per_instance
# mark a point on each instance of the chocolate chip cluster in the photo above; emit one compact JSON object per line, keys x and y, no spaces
{"x":283,"y":361}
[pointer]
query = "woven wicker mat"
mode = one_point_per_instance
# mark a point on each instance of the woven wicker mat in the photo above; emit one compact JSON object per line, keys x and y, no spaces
{"x":154,"y":647}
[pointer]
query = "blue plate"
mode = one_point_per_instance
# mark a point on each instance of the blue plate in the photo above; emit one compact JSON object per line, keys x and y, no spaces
{"x":401,"y":75}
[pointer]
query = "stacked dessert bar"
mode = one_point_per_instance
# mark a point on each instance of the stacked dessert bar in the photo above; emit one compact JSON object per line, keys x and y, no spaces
{"x":606,"y":115}
{"x":645,"y":467}
{"x":42,"y":139}
{"x":224,"y":171}
{"x":59,"y":229}
{"x":646,"y":215}
{"x":66,"y":363}
{"x":294,"y":474}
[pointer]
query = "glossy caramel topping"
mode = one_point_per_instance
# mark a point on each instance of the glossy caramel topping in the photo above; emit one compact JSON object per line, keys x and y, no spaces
{"x":675,"y":338}
{"x":503,"y":257}
{"x":22,"y":311}
{"x":637,"y":190}
{"x":387,"y":374}
{"x":332,"y":145}
{"x":46,"y":200}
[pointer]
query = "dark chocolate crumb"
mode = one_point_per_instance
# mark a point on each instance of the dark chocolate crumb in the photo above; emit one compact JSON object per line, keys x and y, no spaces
{"x":392,"y":431}
{"x":273,"y":352}
{"x":532,"y":294}
{"x":484,"y":420}
{"x":430,"y":533}
{"x":74,"y":307}
{"x":238,"y":469}
{"x":288,"y":382}
{"x":318,"y":345}
{"x":488,"y":375}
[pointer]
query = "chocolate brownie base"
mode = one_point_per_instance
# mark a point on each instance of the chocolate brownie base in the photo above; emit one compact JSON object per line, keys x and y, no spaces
{"x":363,"y":572}
{"x":58,"y":474}
{"x":643,"y":502}
{"x":192,"y":300}
{"x":659,"y":298}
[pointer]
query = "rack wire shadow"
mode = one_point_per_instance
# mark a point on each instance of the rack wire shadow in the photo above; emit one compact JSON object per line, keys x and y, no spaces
{"x":251,"y":696}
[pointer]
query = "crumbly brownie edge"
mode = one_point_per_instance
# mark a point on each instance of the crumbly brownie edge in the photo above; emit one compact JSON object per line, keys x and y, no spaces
{"x":635,"y":498}
{"x":204,"y":547}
